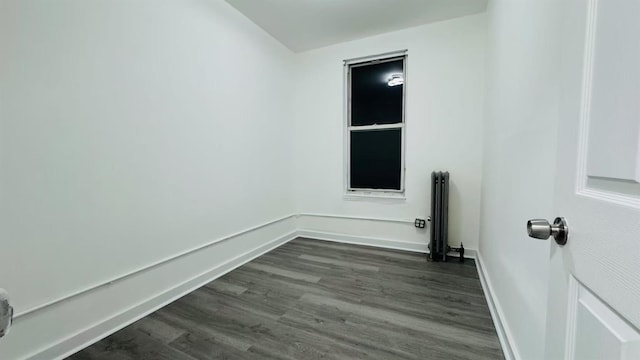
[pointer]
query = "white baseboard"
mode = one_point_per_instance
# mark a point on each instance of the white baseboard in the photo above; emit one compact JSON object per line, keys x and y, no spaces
{"x":142,"y":309}
{"x":124,"y":314}
{"x":504,"y":334}
{"x":138,"y":311}
{"x":375,"y":242}
{"x":361,"y":240}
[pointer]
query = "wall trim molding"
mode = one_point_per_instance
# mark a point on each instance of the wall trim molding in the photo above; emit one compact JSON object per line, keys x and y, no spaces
{"x":146,"y":268}
{"x":470,"y":253}
{"x":127,"y":316}
{"x":375,"y":242}
{"x":349,"y":217}
{"x":118,"y":278}
{"x":504,"y":334}
{"x":104,"y":328}
{"x":363,"y":240}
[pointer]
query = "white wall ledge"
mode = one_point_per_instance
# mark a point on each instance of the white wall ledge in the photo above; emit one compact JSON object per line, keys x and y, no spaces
{"x":374,"y":196}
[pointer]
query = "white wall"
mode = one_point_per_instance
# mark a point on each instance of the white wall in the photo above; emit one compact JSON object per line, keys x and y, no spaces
{"x":519,"y":166}
{"x":132,"y":131}
{"x":444,"y":113}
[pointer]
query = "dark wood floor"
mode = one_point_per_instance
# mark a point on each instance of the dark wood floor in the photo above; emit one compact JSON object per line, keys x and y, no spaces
{"x":312,"y":299}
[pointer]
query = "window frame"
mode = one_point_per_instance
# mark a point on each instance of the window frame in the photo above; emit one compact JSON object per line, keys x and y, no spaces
{"x":364,"y":61}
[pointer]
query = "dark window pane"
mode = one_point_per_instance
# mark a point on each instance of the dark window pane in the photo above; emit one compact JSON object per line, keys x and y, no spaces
{"x":375,"y":159}
{"x":373,"y":100}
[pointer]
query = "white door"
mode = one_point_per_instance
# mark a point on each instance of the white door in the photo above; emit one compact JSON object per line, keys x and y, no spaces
{"x":594,"y":291}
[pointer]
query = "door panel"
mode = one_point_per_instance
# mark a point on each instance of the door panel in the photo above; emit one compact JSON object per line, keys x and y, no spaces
{"x":611,"y":76}
{"x":597,"y":332}
{"x":594,"y":288}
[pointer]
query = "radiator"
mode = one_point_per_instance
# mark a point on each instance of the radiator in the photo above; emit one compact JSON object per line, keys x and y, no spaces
{"x":439,"y":216}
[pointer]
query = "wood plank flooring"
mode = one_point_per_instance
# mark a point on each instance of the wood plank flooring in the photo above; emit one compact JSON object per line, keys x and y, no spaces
{"x":313,"y":299}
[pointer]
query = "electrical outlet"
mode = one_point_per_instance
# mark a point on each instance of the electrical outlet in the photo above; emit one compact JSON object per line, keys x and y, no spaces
{"x":420,"y":223}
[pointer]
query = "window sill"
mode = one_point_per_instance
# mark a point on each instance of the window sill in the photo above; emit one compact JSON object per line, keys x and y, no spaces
{"x":364,"y":195}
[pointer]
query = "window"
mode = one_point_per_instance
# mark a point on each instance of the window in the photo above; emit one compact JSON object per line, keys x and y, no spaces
{"x":375,"y":124}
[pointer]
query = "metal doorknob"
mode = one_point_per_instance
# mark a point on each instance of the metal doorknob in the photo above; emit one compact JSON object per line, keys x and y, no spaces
{"x":6,"y":313}
{"x":541,"y":229}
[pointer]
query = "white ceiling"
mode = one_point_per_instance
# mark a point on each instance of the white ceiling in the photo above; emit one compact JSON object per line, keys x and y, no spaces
{"x":308,"y":24}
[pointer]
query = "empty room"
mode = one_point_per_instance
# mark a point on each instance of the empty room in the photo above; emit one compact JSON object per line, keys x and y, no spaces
{"x":319,"y":179}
